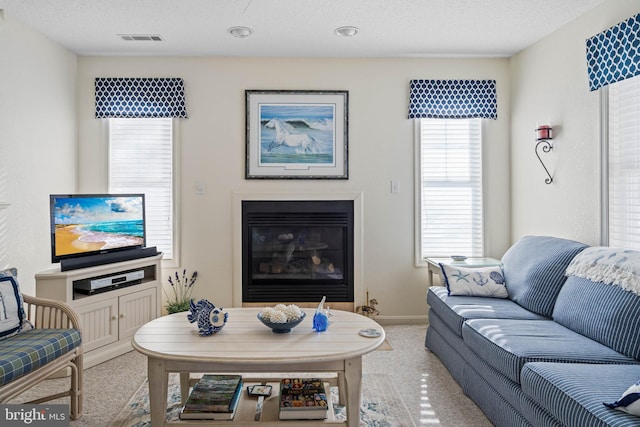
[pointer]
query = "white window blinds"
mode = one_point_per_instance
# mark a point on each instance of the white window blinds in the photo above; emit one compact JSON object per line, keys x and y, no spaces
{"x":451,"y":187}
{"x":624,"y":164}
{"x":141,"y":161}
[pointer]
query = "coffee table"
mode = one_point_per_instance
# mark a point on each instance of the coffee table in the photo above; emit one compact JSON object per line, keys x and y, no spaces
{"x":245,"y":345}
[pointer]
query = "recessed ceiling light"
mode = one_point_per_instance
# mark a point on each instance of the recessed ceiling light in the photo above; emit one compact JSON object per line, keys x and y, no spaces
{"x":240,"y":32}
{"x":347,"y":31}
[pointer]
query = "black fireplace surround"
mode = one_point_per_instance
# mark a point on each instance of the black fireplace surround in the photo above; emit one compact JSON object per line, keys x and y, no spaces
{"x":297,"y":251}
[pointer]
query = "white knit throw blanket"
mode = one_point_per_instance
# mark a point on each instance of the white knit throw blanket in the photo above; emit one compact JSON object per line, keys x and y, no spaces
{"x":612,"y":266}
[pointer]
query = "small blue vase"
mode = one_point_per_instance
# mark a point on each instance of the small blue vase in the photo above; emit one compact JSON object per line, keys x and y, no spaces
{"x":320,"y":322}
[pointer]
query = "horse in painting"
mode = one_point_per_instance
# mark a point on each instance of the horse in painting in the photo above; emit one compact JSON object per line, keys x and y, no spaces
{"x":285,"y":135}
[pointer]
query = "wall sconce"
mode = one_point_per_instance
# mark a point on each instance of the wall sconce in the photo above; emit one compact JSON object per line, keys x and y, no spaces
{"x":544,"y":136}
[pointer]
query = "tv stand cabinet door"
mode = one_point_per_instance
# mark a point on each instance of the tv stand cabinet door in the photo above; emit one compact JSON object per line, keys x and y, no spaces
{"x":99,"y":322}
{"x":136,"y":309}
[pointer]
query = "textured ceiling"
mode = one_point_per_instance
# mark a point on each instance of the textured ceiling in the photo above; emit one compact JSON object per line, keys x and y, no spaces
{"x":298,"y":28}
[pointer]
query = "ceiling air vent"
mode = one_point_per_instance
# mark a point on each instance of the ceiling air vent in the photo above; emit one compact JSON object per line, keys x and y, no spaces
{"x":141,"y":37}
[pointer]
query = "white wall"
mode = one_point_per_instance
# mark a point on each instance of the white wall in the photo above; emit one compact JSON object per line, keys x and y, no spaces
{"x":546,"y":82}
{"x":549,"y":83}
{"x":381,"y":148}
{"x":37,"y":143}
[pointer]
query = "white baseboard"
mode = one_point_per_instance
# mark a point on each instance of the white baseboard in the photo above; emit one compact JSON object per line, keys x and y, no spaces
{"x":402,"y":320}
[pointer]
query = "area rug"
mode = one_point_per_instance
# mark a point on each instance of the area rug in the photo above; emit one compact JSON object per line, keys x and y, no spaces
{"x":380,"y":406}
{"x":385,"y":346}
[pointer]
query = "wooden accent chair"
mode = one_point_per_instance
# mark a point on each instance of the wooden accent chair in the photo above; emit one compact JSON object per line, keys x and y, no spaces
{"x":34,"y":355}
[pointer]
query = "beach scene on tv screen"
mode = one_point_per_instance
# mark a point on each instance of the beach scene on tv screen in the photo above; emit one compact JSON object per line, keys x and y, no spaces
{"x":97,"y":223}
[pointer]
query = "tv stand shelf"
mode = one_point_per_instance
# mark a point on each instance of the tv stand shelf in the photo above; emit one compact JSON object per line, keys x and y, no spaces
{"x":109,"y":318}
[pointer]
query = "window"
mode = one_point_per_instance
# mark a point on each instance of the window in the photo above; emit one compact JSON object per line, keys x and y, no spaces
{"x":622,"y":206}
{"x":449,"y":188}
{"x":141,"y":160}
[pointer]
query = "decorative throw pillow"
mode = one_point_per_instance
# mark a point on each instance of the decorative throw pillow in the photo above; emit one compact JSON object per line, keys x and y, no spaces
{"x":479,"y":282}
{"x":534,"y":270}
{"x":629,"y":402}
{"x":12,"y":315}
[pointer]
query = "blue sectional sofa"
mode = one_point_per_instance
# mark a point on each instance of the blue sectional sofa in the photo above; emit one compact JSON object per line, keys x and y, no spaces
{"x":564,"y":341}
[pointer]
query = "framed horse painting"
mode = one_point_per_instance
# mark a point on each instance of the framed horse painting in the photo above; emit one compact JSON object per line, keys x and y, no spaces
{"x":297,"y":134}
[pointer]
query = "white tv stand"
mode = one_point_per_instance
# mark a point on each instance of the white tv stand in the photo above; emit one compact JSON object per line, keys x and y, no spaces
{"x":110,"y":318}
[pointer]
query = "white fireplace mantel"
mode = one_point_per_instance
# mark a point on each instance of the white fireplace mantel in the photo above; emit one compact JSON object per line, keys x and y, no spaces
{"x":239,"y":197}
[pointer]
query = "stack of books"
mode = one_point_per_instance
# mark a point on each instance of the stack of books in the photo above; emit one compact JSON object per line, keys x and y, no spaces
{"x":302,"y":399}
{"x":214,"y":397}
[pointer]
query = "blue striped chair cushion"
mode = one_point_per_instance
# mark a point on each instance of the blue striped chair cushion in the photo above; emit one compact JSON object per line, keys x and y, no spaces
{"x":508,"y":344}
{"x":454,"y":310}
{"x":534,"y":270}
{"x":574,"y":393}
{"x":605,"y":313}
{"x":32,"y":349}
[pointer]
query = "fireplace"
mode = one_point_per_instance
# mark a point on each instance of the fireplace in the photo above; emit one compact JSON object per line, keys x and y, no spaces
{"x":297,"y":250}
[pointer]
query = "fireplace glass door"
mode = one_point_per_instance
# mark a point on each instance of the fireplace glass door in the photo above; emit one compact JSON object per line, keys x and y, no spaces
{"x":297,"y":251}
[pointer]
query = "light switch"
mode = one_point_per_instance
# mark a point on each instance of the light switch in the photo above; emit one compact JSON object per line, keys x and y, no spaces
{"x":395,"y":186}
{"x":200,"y":188}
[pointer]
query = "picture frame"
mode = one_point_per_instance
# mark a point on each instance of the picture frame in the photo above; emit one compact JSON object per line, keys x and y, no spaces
{"x":297,"y":134}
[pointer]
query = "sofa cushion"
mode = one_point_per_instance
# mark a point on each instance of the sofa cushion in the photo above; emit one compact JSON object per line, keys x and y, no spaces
{"x":22,"y":353}
{"x":534,"y":270}
{"x":454,"y":310}
{"x":12,"y":316}
{"x":605,"y":313}
{"x":446,"y":350}
{"x":574,"y":393}
{"x":454,"y":340}
{"x":474,"y":281}
{"x":508,"y":344}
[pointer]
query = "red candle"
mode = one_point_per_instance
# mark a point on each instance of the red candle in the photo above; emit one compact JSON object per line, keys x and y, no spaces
{"x":544,"y":132}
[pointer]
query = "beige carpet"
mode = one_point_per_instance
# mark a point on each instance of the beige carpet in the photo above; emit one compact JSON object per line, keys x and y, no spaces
{"x":427,"y":390}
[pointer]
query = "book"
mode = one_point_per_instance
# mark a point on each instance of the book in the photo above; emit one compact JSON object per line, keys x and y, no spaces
{"x":302,"y":399}
{"x":214,"y":397}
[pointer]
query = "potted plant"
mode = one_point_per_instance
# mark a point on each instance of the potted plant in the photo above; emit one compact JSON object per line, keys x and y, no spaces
{"x":181,"y":289}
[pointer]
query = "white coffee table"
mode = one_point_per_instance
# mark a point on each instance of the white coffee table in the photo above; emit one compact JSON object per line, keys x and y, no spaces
{"x":245,"y":345}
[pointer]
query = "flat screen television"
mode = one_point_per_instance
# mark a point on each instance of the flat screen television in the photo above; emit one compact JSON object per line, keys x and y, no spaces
{"x":84,"y":225}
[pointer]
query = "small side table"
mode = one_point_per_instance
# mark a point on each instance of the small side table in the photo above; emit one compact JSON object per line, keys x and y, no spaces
{"x":433,"y":265}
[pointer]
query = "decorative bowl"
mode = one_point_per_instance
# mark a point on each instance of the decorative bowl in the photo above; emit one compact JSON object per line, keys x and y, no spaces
{"x":281,"y":328}
{"x":458,"y":258}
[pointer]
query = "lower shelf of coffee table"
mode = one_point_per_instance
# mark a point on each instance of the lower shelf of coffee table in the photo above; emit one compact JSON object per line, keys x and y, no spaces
{"x":246,"y":410}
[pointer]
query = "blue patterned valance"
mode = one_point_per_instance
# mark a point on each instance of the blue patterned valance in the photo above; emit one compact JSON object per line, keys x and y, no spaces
{"x":453,"y":99}
{"x":140,"y":98}
{"x":614,"y":54}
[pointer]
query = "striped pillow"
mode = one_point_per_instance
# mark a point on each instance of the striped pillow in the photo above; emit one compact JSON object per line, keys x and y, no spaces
{"x":534,"y":270}
{"x":629,"y":402}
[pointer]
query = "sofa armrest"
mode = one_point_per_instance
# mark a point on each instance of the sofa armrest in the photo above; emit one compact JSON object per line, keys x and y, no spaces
{"x":48,"y":313}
